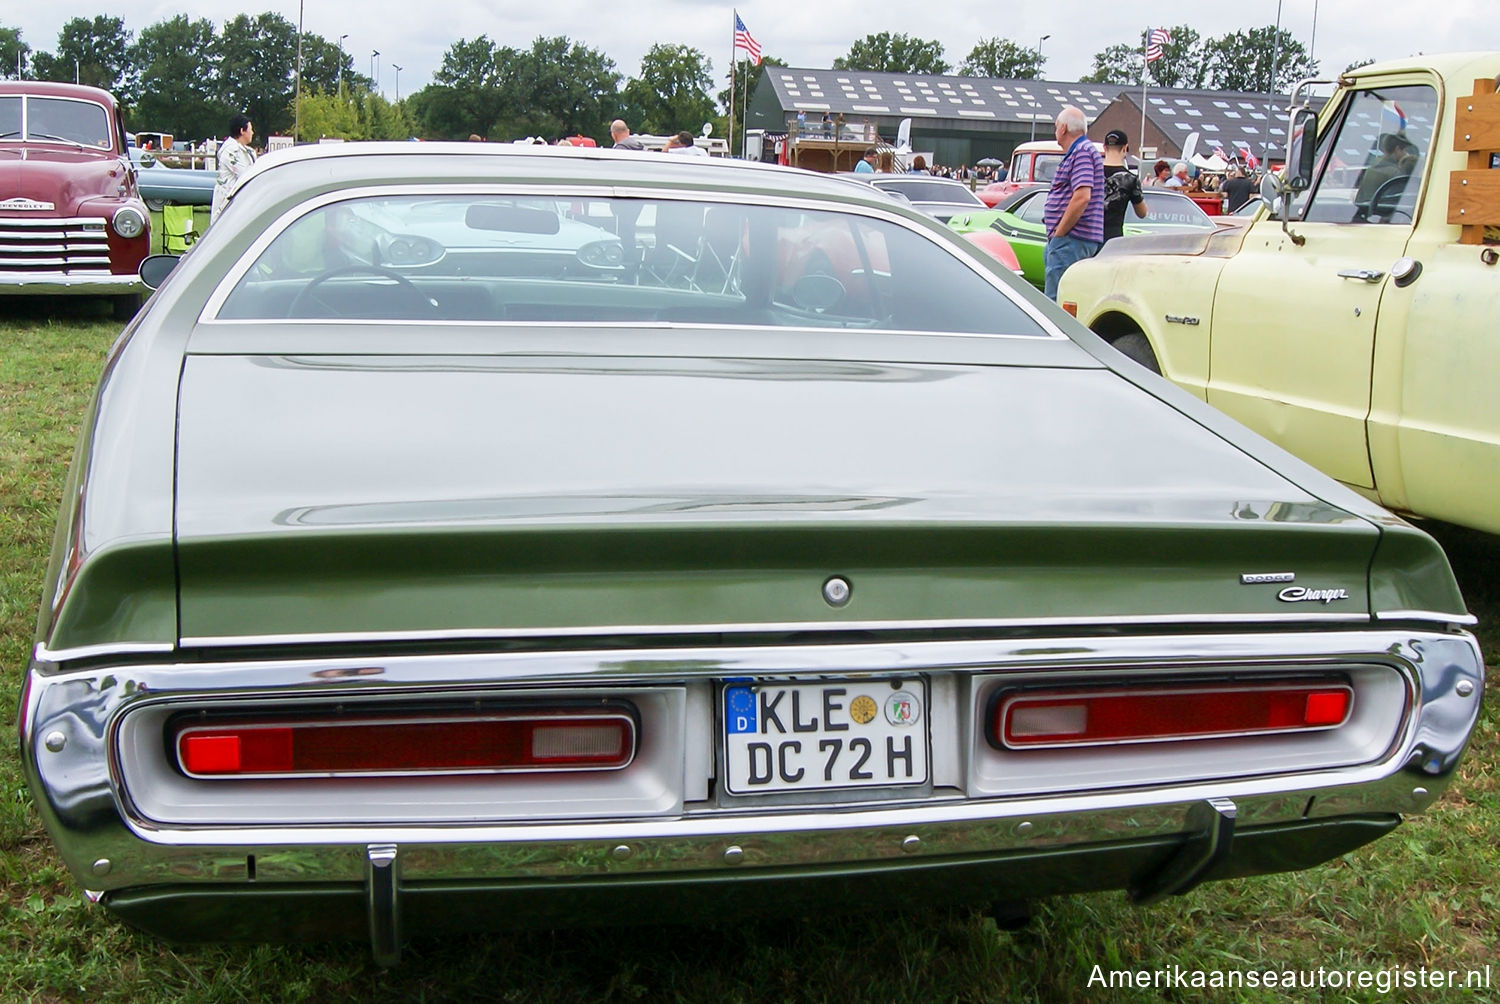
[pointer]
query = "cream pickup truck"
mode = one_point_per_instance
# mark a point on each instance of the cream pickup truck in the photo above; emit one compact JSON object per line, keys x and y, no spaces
{"x":1353,"y":320}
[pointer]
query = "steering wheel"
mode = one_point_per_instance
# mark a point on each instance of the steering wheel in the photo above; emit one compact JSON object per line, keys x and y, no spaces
{"x":310,"y":295}
{"x":1385,"y":200}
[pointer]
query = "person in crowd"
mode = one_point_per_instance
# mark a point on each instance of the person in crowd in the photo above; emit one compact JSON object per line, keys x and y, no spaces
{"x":682,"y":143}
{"x":1238,"y":189}
{"x":619,"y":134}
{"x":1160,"y":172}
{"x":1074,"y":214}
{"x":1179,"y":178}
{"x":1392,"y":148}
{"x":866,"y":163}
{"x":1122,"y":189}
{"x":918,"y":165}
{"x":474,"y":137}
{"x":235,"y":157}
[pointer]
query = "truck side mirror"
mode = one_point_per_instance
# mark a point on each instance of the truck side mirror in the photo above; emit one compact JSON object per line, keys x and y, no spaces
{"x":1302,"y":149}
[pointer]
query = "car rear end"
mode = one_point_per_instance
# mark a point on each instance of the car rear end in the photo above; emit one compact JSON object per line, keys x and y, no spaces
{"x":364,"y":630}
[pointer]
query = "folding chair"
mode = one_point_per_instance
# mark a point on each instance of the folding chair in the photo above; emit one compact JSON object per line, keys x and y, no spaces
{"x":177,"y":229}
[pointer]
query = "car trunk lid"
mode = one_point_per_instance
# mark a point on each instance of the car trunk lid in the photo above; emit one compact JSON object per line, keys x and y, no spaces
{"x":341,"y":498}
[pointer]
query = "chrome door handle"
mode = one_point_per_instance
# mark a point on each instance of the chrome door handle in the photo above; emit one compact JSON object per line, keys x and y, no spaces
{"x":1367,"y":274}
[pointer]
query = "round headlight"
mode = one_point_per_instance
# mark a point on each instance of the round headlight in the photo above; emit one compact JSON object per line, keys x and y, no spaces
{"x":129,"y":222}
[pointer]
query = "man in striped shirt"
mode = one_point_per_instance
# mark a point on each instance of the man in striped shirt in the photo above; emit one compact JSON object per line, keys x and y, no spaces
{"x":1075,"y":204}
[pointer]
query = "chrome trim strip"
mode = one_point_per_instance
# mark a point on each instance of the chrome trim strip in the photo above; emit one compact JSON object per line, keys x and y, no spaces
{"x":41,"y":653}
{"x":1460,"y":620}
{"x":688,"y":191}
{"x":459,"y":634}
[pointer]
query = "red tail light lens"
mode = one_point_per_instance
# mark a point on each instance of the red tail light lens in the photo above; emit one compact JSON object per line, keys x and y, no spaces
{"x":486,"y":742}
{"x":1052,"y":718}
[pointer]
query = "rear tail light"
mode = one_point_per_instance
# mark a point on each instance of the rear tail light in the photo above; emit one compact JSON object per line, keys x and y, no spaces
{"x":1080,"y":717}
{"x":433,"y":743}
{"x":1071,"y":307}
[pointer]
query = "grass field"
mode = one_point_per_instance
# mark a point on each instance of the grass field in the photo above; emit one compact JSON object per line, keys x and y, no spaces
{"x":1424,"y":896}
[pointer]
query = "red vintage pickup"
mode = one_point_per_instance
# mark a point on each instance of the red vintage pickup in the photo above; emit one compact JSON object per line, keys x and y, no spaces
{"x":71,"y":217}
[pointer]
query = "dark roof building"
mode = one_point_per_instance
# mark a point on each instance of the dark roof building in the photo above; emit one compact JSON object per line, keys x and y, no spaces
{"x":958,"y":119}
{"x":1229,"y":120}
{"x":961,"y":119}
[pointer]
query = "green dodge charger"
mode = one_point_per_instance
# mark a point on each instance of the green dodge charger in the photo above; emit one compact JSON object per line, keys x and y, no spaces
{"x":469,"y":536}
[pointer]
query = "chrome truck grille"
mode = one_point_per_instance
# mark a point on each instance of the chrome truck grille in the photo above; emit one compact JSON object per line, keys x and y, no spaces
{"x":72,"y":246}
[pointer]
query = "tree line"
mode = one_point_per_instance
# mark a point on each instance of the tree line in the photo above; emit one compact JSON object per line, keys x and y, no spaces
{"x":183,"y":76}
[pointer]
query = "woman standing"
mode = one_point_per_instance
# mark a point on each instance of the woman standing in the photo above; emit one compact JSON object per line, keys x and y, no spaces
{"x":235,"y":158}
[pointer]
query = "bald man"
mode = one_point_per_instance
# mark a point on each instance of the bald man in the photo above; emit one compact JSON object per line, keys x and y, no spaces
{"x":619,"y":132}
{"x":1074,"y":214}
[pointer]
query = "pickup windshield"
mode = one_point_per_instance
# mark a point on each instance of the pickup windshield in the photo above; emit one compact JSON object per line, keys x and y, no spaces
{"x":55,"y":120}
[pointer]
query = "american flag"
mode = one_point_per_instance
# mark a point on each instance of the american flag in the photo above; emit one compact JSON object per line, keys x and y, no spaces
{"x":744,"y":40}
{"x":1158,"y":38}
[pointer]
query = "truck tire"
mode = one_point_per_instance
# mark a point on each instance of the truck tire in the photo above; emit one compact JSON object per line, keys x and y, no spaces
{"x":1133,"y":346}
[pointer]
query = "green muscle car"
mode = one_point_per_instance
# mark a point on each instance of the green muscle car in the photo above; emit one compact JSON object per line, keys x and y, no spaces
{"x":467,"y":536}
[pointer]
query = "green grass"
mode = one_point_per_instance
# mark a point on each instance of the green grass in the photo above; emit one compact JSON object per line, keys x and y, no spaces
{"x":1425,"y":895}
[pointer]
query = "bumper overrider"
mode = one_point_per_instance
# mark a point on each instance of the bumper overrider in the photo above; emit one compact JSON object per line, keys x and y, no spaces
{"x":260,"y":858}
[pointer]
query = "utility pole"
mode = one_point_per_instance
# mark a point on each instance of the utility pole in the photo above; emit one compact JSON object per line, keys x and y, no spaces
{"x":1033,"y":100}
{"x":398,"y":82}
{"x":341,"y":64}
{"x":297,"y":94}
{"x":375,"y":70}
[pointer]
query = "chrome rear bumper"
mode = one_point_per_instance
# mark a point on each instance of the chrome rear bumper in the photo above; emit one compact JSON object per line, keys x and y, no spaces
{"x":1161,"y":837}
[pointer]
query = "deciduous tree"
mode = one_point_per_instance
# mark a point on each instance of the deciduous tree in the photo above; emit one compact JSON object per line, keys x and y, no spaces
{"x":177,"y":80}
{"x":94,"y":53}
{"x":1003,"y":59}
{"x":1183,"y":62}
{"x":672,"y":91}
{"x":257,"y":58}
{"x":563,"y":89}
{"x":894,"y":53}
{"x":13,"y":52}
{"x":1241,"y":61}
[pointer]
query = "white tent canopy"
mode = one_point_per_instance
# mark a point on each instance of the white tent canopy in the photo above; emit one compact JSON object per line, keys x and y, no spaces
{"x":1213,"y":163}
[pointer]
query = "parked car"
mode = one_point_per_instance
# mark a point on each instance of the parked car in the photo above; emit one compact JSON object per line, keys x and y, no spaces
{"x":1022,"y":223}
{"x":475,"y":599}
{"x":160,"y":185}
{"x":939,"y":198}
{"x":996,"y":247}
{"x":71,"y":218}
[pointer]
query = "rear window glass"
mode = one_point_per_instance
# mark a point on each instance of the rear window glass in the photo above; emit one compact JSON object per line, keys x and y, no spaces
{"x":539,"y":260}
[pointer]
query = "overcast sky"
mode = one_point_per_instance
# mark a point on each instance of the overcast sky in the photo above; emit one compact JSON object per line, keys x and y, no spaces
{"x":414,"y":34}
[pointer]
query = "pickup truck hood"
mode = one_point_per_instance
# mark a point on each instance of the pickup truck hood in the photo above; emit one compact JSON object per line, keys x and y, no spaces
{"x":65,"y":178}
{"x":344,"y":497}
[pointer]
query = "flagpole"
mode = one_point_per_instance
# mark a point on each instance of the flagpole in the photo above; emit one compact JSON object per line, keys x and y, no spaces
{"x":734,"y":21}
{"x":744,"y":112}
{"x":1140,"y":150}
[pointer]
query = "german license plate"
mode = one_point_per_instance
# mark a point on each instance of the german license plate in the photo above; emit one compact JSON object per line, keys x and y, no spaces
{"x":835,"y":734}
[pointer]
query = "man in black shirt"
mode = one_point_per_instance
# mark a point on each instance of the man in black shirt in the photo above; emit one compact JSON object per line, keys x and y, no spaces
{"x":1121,"y":187}
{"x":1237,"y":190}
